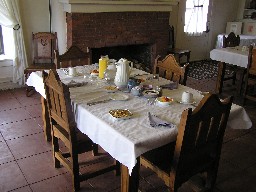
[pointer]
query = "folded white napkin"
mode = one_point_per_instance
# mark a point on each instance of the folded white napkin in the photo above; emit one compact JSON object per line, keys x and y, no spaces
{"x":73,"y":83}
{"x":155,"y":121}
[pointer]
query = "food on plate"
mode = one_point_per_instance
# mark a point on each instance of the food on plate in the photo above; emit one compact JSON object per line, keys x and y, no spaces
{"x":95,"y":72}
{"x":111,"y":88}
{"x":120,"y":113}
{"x":165,"y":99}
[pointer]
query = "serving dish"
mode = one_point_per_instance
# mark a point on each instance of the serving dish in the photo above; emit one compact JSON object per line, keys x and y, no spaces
{"x":164,"y":101}
{"x":120,"y":114}
{"x":119,"y":97}
{"x":111,"y":89}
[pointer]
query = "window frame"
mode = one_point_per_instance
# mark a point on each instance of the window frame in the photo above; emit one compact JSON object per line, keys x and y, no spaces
{"x":1,"y":42}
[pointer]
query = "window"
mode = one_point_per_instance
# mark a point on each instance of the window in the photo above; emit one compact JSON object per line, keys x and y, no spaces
{"x":6,"y":43}
{"x":1,"y":41}
{"x":196,"y":17}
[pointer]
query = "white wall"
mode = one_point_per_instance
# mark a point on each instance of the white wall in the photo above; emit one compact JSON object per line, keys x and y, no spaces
{"x":221,"y":13}
{"x":35,"y":18}
{"x":59,"y":25}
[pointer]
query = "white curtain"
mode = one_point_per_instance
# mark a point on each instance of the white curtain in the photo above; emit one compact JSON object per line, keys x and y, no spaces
{"x":196,"y":17}
{"x":10,"y":17}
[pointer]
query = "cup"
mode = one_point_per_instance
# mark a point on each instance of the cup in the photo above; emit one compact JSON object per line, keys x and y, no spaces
{"x":187,"y":97}
{"x":244,"y":48}
{"x":72,"y":71}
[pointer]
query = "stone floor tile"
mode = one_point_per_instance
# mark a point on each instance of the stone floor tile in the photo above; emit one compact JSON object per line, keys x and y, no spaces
{"x":28,"y":145}
{"x":57,"y":183}
{"x":34,"y":110}
{"x":39,"y":167}
{"x":6,"y":155}
{"x":11,"y":177}
{"x":13,"y":115}
{"x":23,"y":189}
{"x":20,"y":129}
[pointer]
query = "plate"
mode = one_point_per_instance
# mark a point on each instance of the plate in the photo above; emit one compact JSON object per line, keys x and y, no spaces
{"x":111,"y":89}
{"x":164,"y":101}
{"x":119,"y":97}
{"x":150,"y":93}
{"x":75,"y":75}
{"x":187,"y":103}
{"x":120,"y":114}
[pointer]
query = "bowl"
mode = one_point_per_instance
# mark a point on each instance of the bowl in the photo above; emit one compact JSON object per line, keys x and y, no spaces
{"x":150,"y":93}
{"x":164,"y":101}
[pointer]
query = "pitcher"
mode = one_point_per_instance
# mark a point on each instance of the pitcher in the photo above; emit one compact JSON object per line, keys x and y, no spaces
{"x":122,"y":73}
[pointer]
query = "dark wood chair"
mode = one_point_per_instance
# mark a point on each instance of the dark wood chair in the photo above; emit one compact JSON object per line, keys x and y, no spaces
{"x":250,"y":78}
{"x":178,"y":53}
{"x":74,"y":56}
{"x":230,"y":70}
{"x":170,"y":69}
{"x":43,"y":45}
{"x":64,"y":130}
{"x":198,"y":145}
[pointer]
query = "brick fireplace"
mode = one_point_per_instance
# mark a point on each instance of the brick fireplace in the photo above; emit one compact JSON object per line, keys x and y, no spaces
{"x":120,"y":29}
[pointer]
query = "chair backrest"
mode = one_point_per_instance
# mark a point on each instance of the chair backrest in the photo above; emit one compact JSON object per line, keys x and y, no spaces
{"x":44,"y":43}
{"x":74,"y":56}
{"x":171,"y":37}
{"x":199,"y":140}
{"x":231,"y":40}
{"x":170,"y":69}
{"x":59,"y":106}
{"x":251,"y":67}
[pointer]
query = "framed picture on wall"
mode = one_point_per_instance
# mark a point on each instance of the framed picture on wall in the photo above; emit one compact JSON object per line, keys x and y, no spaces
{"x":235,"y":27}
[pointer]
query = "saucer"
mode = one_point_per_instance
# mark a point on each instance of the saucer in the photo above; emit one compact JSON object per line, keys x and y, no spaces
{"x":187,"y":103}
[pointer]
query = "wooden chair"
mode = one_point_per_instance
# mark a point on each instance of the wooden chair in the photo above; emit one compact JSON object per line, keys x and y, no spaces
{"x":64,"y":130}
{"x":198,"y":145}
{"x":43,"y":44}
{"x":170,"y":69}
{"x":74,"y":56}
{"x":250,"y":78}
{"x":176,"y":51}
{"x":230,"y":70}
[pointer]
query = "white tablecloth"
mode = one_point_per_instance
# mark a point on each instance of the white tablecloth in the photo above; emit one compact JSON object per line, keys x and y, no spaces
{"x":231,"y":55}
{"x":125,"y":140}
{"x":245,"y":40}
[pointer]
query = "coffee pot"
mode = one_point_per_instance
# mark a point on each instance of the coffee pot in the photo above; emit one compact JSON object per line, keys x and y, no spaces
{"x":122,"y":73}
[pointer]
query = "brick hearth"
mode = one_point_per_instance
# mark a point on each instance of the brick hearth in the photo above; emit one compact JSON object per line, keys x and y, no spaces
{"x":97,"y":30}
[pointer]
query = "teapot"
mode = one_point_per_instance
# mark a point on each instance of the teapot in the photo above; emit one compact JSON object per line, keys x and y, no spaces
{"x":122,"y":73}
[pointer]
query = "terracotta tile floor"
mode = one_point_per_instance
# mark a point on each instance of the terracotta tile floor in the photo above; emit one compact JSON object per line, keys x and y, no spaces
{"x":26,"y":160}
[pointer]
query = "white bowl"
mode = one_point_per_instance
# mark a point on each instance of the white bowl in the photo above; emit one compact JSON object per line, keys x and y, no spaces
{"x":164,"y":101}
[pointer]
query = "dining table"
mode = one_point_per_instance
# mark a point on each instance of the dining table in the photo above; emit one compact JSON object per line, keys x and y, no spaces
{"x":237,"y":56}
{"x":126,"y":139}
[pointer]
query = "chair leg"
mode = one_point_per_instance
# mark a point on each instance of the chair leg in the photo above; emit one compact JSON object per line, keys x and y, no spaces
{"x":118,"y":168}
{"x":95,"y":150}
{"x":75,"y":174}
{"x":30,"y":91}
{"x":55,"y":146}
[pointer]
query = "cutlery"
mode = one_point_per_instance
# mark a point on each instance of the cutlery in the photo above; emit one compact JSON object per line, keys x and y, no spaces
{"x":101,"y":101}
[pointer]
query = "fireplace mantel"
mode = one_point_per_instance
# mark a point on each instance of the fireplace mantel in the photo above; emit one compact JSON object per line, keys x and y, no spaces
{"x":95,"y":6}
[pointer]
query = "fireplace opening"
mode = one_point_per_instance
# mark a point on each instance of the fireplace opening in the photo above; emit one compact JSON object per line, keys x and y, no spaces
{"x":140,"y":55}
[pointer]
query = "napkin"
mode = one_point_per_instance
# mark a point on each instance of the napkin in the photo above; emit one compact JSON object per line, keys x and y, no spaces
{"x":73,"y":83}
{"x":155,"y":121}
{"x":172,"y":85}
